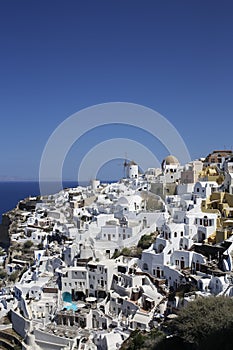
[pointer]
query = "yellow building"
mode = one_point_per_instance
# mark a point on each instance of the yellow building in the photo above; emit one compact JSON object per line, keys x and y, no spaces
{"x":211,"y":173}
{"x":221,"y":202}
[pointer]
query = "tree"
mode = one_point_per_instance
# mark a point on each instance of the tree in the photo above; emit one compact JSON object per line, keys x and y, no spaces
{"x":206,"y":323}
{"x":27,"y":245}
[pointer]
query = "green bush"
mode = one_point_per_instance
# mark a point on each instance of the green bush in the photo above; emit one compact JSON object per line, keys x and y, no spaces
{"x":27,"y":245}
{"x":146,"y":240}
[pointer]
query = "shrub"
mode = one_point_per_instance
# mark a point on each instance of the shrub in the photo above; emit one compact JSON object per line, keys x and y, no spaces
{"x":27,"y":245}
{"x":146,"y":240}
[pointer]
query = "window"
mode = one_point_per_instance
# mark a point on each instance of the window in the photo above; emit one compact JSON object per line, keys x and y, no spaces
{"x":177,"y":262}
{"x":205,"y":221}
{"x":175,"y":234}
{"x":198,"y":189}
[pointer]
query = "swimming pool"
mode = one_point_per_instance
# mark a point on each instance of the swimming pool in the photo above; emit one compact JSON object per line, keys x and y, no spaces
{"x":69,"y":305}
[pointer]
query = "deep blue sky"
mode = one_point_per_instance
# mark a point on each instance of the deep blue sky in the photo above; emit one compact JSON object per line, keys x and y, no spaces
{"x":59,"y":56}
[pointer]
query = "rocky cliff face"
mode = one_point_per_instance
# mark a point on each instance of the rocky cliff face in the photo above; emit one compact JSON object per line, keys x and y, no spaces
{"x":11,"y":220}
{"x":5,"y":228}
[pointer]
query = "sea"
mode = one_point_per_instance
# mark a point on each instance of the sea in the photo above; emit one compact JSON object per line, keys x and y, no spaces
{"x":12,"y":192}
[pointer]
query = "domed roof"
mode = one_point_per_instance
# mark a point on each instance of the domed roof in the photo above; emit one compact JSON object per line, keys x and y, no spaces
{"x":170,"y":160}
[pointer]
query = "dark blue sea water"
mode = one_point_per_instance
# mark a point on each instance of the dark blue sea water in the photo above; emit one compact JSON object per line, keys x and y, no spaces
{"x":12,"y":192}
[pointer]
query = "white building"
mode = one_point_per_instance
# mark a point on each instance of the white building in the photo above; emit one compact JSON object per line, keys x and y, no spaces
{"x":203,"y":189}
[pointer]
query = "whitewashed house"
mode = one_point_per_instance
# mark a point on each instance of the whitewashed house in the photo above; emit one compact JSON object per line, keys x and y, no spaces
{"x":203,"y":189}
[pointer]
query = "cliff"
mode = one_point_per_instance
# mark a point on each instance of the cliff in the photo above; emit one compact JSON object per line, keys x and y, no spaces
{"x":4,"y":230}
